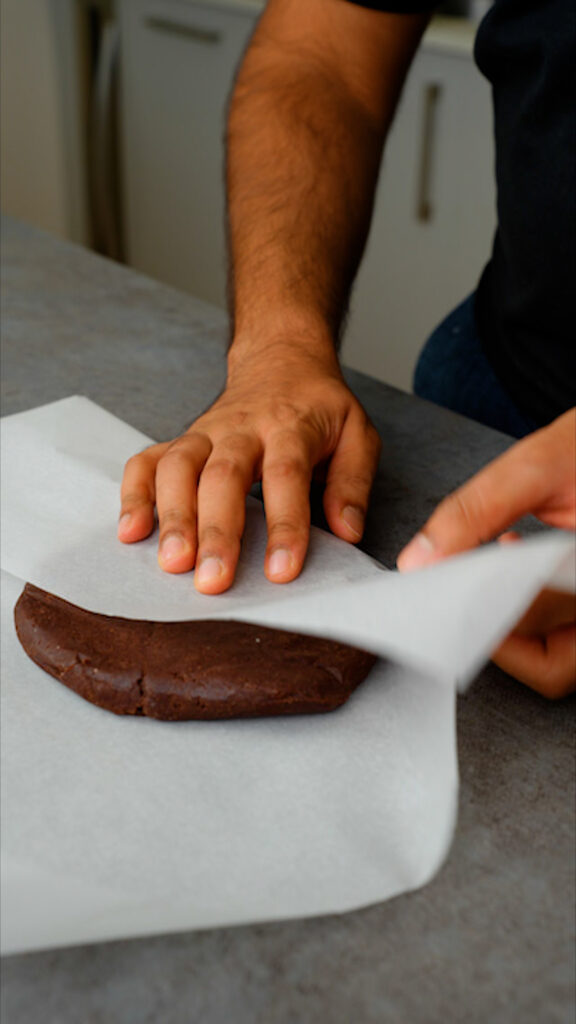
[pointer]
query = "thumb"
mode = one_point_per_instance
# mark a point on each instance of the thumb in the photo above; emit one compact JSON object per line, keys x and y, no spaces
{"x":534,"y":475}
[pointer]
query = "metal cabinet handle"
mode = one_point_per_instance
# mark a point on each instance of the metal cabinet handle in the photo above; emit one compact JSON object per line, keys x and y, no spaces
{"x":424,"y":206}
{"x":102,"y":142}
{"x":209,"y":36}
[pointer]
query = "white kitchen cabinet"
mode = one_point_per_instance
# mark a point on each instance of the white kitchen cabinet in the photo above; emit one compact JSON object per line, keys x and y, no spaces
{"x":434,"y":216}
{"x":177,"y":66}
{"x":178,"y":59}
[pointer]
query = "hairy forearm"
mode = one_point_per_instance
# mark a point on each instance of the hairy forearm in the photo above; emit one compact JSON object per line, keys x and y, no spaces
{"x":313,"y":101}
{"x":303,"y":160}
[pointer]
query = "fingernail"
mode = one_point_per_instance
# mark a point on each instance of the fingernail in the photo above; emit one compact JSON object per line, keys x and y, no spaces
{"x":281,"y":562}
{"x":209,"y":570}
{"x":173,"y":546}
{"x":124,"y":521}
{"x":354,"y":519}
{"x":418,"y":553}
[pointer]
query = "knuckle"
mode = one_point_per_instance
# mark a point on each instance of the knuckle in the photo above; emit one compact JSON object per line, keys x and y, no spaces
{"x":223,"y":416}
{"x":212,"y":535}
{"x":357,"y":481}
{"x":191,"y":441}
{"x":136,"y":462}
{"x":135,"y":500}
{"x":192,"y":445}
{"x":238,"y":419}
{"x":468,"y":506}
{"x":221,"y":469}
{"x":176,"y":455}
{"x":149,"y":455}
{"x":285,"y":525}
{"x":238,"y":444}
{"x":284,"y":413}
{"x":175,"y":517}
{"x":285,"y":467}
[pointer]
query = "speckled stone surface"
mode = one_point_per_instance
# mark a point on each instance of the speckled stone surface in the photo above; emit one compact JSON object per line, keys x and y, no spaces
{"x":491,"y":939}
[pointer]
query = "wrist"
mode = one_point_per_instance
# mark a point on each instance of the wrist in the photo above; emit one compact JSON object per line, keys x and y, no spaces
{"x":290,"y":342}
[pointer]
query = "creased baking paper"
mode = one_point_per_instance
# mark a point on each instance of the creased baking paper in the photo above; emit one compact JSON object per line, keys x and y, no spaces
{"x":117,"y":827}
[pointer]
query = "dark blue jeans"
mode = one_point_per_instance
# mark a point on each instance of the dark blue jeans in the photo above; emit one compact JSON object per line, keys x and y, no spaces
{"x":454,"y":372}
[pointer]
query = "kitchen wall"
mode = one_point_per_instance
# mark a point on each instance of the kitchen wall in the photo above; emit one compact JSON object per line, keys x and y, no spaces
{"x":39,"y":171}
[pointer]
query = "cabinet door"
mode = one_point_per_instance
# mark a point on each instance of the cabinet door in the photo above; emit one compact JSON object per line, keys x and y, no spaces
{"x":434,"y":217}
{"x":177,"y":65}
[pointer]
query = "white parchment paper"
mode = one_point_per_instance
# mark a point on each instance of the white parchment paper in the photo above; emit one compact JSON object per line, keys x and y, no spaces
{"x":116,"y":827}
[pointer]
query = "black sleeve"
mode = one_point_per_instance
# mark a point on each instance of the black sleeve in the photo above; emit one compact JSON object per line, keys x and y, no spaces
{"x":399,"y":6}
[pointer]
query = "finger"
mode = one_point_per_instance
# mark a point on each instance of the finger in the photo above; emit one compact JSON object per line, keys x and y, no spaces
{"x":546,"y":664}
{"x":286,"y":476}
{"x":177,"y":477}
{"x":224,"y":483}
{"x":550,"y":609}
{"x":350,"y":478}
{"x":137,"y":494}
{"x":510,"y":537}
{"x":535,"y":475}
{"x":474,"y":513}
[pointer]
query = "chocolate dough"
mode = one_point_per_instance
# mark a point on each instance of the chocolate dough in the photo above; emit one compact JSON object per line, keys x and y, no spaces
{"x":182,"y":670}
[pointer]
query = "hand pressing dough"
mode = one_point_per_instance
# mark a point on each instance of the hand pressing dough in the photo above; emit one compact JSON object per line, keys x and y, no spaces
{"x":182,"y":670}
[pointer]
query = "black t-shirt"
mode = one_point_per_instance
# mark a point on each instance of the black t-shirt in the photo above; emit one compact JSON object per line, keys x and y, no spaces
{"x":526,"y":296}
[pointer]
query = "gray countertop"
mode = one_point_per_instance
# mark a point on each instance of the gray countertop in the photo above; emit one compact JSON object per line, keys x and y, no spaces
{"x":492,"y":937}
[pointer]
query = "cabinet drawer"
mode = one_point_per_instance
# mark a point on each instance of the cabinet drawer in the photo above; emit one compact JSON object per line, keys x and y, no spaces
{"x":178,"y":61}
{"x":434,"y":217}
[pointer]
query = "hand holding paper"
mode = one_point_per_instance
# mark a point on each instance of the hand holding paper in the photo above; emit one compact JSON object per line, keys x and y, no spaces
{"x":538,"y":476}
